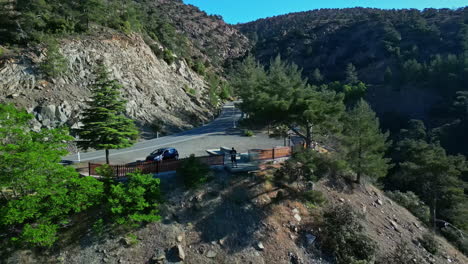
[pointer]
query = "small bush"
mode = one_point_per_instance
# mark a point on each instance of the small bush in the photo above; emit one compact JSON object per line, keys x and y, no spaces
{"x":43,"y":235}
{"x":429,"y":242}
{"x":132,"y":239}
{"x":99,"y":227}
{"x":248,"y":133}
{"x":108,"y":174}
{"x":199,"y":67}
{"x":189,"y":90}
{"x":136,"y":201}
{"x":314,"y":198}
{"x":1,"y":52}
{"x":402,"y":254}
{"x":343,"y":237}
{"x":411,"y":201}
{"x":456,"y":238}
{"x":193,"y":172}
{"x":168,"y":56}
{"x":158,"y":52}
{"x":157,"y":126}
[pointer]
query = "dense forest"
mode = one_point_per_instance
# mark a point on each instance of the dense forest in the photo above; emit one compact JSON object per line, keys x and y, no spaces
{"x":395,"y":52}
{"x":414,"y":168}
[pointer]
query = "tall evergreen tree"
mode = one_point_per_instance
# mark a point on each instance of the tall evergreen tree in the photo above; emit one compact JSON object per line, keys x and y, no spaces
{"x":364,"y":143}
{"x":283,"y":97}
{"x":104,"y":124}
{"x":425,"y":168}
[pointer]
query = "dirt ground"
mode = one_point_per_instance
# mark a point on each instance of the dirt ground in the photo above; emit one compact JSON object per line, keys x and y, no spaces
{"x":242,"y":219}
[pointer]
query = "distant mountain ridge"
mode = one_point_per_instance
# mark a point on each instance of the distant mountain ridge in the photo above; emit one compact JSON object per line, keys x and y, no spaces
{"x":413,"y":61}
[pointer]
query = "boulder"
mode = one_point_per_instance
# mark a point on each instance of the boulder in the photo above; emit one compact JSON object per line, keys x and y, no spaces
{"x":260,"y":246}
{"x":180,"y":252}
{"x":211,"y":254}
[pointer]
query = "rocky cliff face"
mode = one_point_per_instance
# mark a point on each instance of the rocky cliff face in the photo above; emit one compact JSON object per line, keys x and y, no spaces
{"x":153,"y":89}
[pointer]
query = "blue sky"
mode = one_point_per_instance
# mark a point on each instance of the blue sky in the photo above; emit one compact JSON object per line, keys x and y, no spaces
{"x":240,"y":11}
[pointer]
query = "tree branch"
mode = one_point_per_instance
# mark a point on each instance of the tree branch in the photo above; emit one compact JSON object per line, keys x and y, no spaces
{"x":297,"y":132}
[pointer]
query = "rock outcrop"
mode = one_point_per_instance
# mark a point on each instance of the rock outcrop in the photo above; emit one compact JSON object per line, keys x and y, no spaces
{"x":153,"y":89}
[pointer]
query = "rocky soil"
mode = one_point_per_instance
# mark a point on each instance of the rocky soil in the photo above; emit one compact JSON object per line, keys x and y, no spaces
{"x":153,"y":89}
{"x":244,"y":219}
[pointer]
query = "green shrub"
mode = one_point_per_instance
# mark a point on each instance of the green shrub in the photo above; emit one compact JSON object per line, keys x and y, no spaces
{"x":108,"y":175}
{"x":189,"y":90}
{"x":43,"y":235}
{"x":199,"y":67}
{"x":402,"y":254}
{"x":99,"y":227}
{"x":429,"y":242}
{"x":314,"y":198}
{"x":157,"y":126}
{"x":343,"y":237}
{"x":455,"y":237}
{"x":248,"y":133}
{"x":132,"y":239}
{"x":136,"y":201}
{"x":1,"y":51}
{"x":158,"y":52}
{"x":168,"y":56}
{"x":299,"y":168}
{"x":55,"y":63}
{"x":411,"y":201}
{"x":193,"y":172}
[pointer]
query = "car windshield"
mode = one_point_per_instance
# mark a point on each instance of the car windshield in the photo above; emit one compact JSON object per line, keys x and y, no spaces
{"x":158,"y":152}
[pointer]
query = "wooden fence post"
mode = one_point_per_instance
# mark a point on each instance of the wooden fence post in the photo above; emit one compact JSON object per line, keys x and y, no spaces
{"x":273,"y":154}
{"x":89,"y":168}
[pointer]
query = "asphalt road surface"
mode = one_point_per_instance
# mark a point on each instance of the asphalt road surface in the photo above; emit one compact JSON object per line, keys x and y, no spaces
{"x":220,"y":132}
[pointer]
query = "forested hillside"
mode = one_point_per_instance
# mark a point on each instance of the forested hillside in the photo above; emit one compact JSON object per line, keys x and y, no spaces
{"x":413,"y":62}
{"x":166,"y":54}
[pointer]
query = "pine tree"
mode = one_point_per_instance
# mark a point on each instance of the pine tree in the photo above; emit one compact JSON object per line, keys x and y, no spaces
{"x":104,"y":124}
{"x":425,"y":168}
{"x":364,"y":143}
{"x":351,"y":74}
{"x":55,"y":63}
{"x":282,"y":97}
{"x":37,"y":193}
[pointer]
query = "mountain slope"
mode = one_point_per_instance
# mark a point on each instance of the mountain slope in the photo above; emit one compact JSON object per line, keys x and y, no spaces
{"x":157,"y":50}
{"x":400,"y":53}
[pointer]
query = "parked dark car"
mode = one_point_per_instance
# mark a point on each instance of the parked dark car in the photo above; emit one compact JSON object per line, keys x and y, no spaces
{"x":163,"y":154}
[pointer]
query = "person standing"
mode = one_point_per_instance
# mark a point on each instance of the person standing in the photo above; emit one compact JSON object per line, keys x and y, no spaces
{"x":233,"y":153}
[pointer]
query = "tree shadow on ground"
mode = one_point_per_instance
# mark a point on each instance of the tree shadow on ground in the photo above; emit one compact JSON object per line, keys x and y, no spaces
{"x":231,"y":216}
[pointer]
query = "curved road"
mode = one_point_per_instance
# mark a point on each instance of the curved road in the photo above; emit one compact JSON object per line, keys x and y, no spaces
{"x":195,"y":141}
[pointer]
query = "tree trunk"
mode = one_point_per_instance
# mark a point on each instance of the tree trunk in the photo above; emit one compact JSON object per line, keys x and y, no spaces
{"x":309,"y":137}
{"x":358,"y":177}
{"x":433,"y":214}
{"x":107,"y":156}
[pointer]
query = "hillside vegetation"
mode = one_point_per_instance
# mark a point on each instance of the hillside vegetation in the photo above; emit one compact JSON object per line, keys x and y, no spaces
{"x":400,"y":54}
{"x":166,"y":55}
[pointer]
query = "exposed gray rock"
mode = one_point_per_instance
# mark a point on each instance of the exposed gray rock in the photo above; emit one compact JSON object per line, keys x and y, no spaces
{"x":153,"y":89}
{"x":180,"y":252}
{"x":211,"y":254}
